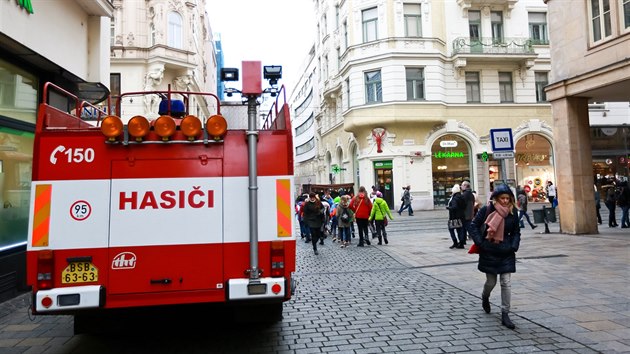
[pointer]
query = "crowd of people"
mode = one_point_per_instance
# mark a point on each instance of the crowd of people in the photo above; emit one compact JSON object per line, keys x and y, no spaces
{"x":321,"y":216}
{"x":493,"y":226}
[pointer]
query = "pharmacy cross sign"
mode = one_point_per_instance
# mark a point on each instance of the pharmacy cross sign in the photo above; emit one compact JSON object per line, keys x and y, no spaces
{"x":502,"y":139}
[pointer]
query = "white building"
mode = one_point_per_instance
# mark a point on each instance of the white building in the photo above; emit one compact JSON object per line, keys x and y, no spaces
{"x":409,"y":91}
{"x":157,"y":43}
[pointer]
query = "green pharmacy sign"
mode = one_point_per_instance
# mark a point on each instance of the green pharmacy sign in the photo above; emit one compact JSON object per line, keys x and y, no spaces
{"x":26,"y":5}
{"x":448,"y":155}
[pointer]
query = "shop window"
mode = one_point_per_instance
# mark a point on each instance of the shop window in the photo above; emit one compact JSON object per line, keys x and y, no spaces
{"x":18,"y":93}
{"x":16,"y":158}
{"x":534,"y":166}
{"x":451,"y":164}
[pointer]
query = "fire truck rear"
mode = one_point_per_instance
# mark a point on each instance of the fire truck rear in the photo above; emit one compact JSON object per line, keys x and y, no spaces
{"x":129,"y":213}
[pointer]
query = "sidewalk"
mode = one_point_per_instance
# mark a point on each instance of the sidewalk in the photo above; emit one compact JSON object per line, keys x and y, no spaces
{"x":578,"y":285}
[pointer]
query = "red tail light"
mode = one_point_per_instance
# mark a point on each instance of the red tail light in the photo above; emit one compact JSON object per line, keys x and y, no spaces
{"x":277,"y":258}
{"x":45,"y":269}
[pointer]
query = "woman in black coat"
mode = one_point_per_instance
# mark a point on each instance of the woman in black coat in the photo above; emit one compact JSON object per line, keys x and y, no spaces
{"x":456,"y":211}
{"x":497,"y":234}
{"x":314,"y":216}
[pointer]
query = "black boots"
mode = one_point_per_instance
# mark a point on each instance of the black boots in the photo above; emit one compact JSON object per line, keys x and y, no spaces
{"x":505,"y":320}
{"x":485,"y":303}
{"x":454,"y":245}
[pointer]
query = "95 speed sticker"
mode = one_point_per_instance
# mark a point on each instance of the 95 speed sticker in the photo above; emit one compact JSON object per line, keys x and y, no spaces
{"x":80,"y":210}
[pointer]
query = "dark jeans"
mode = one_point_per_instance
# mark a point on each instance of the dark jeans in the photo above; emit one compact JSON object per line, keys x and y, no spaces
{"x":404,"y":207}
{"x":316,"y":234}
{"x":599,"y":216}
{"x":460,"y":234}
{"x":362,"y":224}
{"x":624,"y":216}
{"x":522,"y":213}
{"x":466,"y":225}
{"x":612,"y":218}
{"x":344,"y":234}
{"x":380,"y":230}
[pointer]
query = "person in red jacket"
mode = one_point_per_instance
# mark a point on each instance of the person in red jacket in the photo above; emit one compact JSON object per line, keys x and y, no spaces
{"x":362,"y":206}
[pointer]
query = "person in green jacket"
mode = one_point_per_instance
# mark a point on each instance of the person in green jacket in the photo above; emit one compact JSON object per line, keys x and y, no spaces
{"x":380,"y":212}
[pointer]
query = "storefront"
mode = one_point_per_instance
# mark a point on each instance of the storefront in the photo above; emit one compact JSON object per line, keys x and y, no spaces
{"x":611,"y":153}
{"x":451,"y":164}
{"x":384,"y":177}
{"x":27,"y":61}
{"x":533,"y":161}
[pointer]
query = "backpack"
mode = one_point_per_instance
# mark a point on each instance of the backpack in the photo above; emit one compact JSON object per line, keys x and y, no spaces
{"x":345,"y":216}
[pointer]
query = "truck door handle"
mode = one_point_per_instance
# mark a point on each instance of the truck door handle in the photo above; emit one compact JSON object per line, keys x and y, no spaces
{"x":161,"y":281}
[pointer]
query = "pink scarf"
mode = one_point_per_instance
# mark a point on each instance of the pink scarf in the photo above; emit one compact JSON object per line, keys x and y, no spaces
{"x":496,"y":223}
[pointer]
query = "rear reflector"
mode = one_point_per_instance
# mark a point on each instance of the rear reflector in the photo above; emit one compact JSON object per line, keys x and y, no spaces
{"x":44,"y":269}
{"x":277,"y":258}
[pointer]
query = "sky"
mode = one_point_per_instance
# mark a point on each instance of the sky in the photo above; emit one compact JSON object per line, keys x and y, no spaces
{"x":275,"y":32}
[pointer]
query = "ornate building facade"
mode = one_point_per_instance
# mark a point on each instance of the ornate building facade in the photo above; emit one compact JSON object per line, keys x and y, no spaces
{"x":408,"y":92}
{"x":158,"y":43}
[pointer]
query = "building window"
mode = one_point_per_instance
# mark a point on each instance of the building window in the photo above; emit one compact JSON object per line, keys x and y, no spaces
{"x":474,"y":25}
{"x":600,"y":19}
{"x":413,"y":17}
{"x":370,"y":23}
{"x":538,"y":28}
{"x":152,"y":35}
{"x":18,"y":97}
{"x":336,"y":16}
{"x":175,"y":34}
{"x":338,"y":59}
{"x":114,"y":84}
{"x":306,"y":147}
{"x":626,"y":13}
{"x":496,"y":19}
{"x":324,"y":26}
{"x":472,"y":87}
{"x":415,"y":83}
{"x":506,"y":91}
{"x":304,"y":105}
{"x":304,"y":126}
{"x":373,"y":87}
{"x":325,"y":68}
{"x":112,"y":34}
{"x":348,"y":92}
{"x":541,"y":81}
{"x":345,"y":35}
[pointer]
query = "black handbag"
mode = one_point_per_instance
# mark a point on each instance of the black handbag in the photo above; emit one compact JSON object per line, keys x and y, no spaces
{"x":455,"y":224}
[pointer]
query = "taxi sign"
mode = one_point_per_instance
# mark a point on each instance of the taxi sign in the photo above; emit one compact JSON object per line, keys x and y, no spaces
{"x":502,"y":139}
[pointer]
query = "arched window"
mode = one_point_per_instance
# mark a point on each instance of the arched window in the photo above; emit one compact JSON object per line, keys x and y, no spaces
{"x":175,"y":39}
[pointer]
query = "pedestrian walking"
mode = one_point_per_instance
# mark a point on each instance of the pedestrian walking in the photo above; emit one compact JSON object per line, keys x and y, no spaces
{"x":522,"y":209}
{"x":551,"y":193}
{"x":496,"y":233}
{"x":362,"y":206}
{"x":623,"y":200}
{"x":598,"y":205}
{"x":456,"y":208}
{"x":345,"y":218}
{"x":406,"y":199}
{"x":469,"y":211}
{"x":611,"y":202}
{"x":380,"y":212}
{"x":314,"y":216}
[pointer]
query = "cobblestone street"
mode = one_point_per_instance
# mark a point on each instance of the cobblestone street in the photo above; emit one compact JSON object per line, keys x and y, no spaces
{"x":413,"y":295}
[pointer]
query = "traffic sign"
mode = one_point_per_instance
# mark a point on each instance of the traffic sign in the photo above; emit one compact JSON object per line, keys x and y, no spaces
{"x":502,"y":139}
{"x":503,"y":155}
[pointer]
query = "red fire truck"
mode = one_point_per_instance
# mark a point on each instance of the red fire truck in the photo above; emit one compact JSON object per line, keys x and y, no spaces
{"x":167,"y":211}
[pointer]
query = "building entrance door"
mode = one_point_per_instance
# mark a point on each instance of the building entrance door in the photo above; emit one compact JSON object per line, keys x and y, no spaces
{"x":384,"y":177}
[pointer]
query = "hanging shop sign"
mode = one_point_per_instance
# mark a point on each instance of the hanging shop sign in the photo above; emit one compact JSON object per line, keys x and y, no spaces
{"x":448,"y":143}
{"x":383,"y":165}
